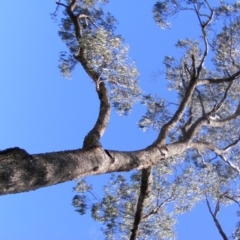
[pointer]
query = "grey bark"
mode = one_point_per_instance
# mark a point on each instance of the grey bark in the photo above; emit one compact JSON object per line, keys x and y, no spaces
{"x":20,"y":171}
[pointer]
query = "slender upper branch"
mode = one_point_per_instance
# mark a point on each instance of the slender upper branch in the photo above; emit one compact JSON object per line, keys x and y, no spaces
{"x":204,"y":25}
{"x":93,"y":137}
{"x":178,"y":114}
{"x":61,"y":4}
{"x":219,"y":80}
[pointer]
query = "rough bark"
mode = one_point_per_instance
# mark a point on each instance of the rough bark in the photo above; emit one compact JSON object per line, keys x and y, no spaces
{"x":20,"y":171}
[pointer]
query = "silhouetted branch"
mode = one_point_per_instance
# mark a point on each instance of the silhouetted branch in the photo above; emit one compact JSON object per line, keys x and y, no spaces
{"x":144,"y":191}
{"x":214,"y":216}
{"x":219,"y":80}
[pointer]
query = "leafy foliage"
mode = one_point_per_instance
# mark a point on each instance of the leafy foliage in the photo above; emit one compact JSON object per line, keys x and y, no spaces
{"x":104,"y":51}
{"x":208,"y":170}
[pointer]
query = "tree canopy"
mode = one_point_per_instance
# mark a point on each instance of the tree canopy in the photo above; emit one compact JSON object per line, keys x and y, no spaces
{"x":195,"y":156}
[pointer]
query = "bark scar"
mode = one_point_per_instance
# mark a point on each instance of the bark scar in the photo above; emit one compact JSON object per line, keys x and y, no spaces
{"x":110,"y":156}
{"x":163,"y":151}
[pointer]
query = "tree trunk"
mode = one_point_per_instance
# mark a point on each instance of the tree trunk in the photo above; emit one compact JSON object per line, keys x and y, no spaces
{"x":20,"y":171}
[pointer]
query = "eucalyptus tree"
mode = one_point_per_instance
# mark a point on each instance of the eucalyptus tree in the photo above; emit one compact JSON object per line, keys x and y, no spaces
{"x":196,"y":154}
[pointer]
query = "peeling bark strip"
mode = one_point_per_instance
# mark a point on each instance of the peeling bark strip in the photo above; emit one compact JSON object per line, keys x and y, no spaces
{"x":144,"y":192}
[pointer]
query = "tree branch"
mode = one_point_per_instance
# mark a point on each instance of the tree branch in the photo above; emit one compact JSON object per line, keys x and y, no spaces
{"x":201,"y":102}
{"x":93,"y":137}
{"x":205,"y":120}
{"x":156,"y":209}
{"x":219,"y":80}
{"x":61,"y":4}
{"x":189,"y":120}
{"x":21,"y":172}
{"x":233,"y":199}
{"x":204,"y":25}
{"x":219,"y":152}
{"x":214,"y":216}
{"x":144,"y":192}
{"x":218,"y":106}
{"x":57,"y":8}
{"x":178,"y":114}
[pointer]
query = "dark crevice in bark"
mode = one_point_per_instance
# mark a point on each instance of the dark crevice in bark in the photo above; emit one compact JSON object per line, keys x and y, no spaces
{"x":144,"y":192}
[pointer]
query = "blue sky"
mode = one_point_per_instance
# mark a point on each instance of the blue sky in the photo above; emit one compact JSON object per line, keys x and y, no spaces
{"x":42,"y":112}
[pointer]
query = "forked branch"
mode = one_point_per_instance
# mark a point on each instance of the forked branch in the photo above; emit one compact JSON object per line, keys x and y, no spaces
{"x":214,"y":216}
{"x":219,"y":152}
{"x":204,"y":25}
{"x":178,"y":114}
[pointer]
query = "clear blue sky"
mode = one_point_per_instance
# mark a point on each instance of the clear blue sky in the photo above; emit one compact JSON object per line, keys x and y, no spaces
{"x":42,"y":112}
